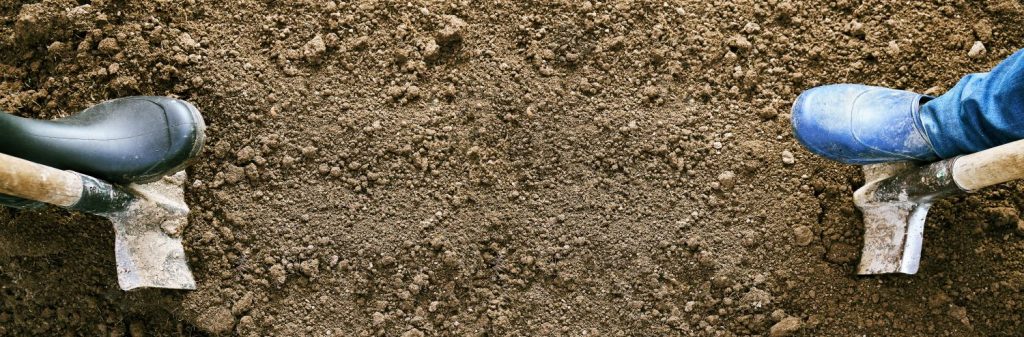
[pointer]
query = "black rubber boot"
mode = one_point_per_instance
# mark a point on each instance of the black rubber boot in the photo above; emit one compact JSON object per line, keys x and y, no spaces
{"x":127,"y":140}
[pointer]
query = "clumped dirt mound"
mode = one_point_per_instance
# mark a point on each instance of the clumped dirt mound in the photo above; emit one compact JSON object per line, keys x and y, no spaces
{"x":553,"y":168}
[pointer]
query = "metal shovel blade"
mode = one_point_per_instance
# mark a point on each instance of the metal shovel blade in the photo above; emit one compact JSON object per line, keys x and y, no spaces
{"x":893,"y":229}
{"x":147,"y":242}
{"x":892,"y":237}
{"x":895,"y":202}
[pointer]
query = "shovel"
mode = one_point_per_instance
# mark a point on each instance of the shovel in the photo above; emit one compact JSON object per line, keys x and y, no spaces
{"x":148,"y":219}
{"x":896,"y":198}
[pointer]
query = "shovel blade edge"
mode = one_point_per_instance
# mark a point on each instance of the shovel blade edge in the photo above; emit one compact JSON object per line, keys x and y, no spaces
{"x":151,"y":260}
{"x":893,"y":234}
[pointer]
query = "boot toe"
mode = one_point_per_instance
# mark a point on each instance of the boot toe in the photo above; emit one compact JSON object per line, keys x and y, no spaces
{"x":186,"y":134}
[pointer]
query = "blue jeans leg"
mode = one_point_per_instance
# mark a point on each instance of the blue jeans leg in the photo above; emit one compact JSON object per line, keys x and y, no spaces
{"x":982,"y":111}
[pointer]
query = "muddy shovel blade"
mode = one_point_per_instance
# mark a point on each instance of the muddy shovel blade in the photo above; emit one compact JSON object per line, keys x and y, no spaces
{"x":892,"y":238}
{"x":147,"y":242}
{"x":895,"y":202}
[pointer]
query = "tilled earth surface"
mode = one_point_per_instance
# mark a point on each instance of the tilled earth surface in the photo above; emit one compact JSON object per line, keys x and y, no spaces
{"x":507,"y":168}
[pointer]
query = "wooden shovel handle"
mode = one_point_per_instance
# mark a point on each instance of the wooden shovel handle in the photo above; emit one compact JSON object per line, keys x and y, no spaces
{"x":990,"y":167}
{"x":24,"y":179}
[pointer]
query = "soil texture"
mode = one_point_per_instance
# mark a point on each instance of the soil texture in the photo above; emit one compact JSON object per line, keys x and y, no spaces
{"x":507,"y":168}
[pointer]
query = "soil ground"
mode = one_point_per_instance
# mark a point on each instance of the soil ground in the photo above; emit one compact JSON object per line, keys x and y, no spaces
{"x":507,"y":168}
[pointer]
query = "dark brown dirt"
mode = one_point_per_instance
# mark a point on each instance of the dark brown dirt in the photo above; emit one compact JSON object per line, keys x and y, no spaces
{"x":516,"y":168}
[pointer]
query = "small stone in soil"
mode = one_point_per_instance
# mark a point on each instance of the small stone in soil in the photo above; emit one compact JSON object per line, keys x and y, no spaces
{"x":727,"y":180}
{"x":413,"y":333}
{"x":108,"y":46}
{"x":977,"y":50}
{"x":453,"y":30}
{"x":786,"y":327}
{"x":310,"y":267}
{"x":788,"y":158}
{"x":314,"y":48}
{"x":740,"y":42}
{"x":802,"y":235}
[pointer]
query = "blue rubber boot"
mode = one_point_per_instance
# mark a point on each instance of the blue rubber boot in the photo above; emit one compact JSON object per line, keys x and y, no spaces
{"x":859,"y":124}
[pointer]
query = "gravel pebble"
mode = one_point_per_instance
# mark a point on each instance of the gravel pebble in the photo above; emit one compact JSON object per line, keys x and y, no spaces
{"x":788,"y":158}
{"x":786,"y":327}
{"x":802,"y":235}
{"x":727,"y":180}
{"x":977,"y":50}
{"x":413,"y":333}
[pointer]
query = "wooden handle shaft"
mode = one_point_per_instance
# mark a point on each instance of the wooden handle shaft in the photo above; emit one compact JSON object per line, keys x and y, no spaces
{"x":24,"y":179}
{"x":990,"y":167}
